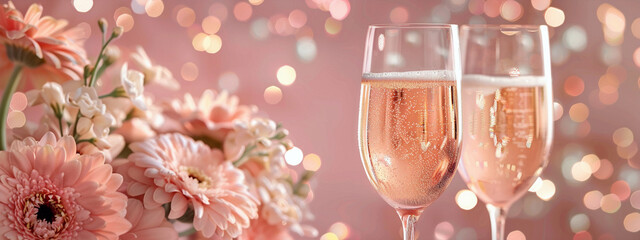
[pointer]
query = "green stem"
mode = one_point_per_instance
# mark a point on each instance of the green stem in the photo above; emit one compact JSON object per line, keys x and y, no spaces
{"x":187,"y":232}
{"x":75,"y":125}
{"x":244,"y":157}
{"x":58,"y":112}
{"x":94,"y":76}
{"x":6,"y":100}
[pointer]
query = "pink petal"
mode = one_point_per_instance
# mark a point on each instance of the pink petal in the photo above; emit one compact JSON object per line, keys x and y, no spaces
{"x":179,"y":206}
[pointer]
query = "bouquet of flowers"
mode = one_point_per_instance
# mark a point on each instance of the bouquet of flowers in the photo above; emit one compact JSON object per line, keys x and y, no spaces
{"x":115,"y":164}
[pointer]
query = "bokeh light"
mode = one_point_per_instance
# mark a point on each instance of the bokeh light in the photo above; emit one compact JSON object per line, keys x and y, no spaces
{"x":547,"y":190}
{"x":511,"y":10}
{"x":83,"y":5}
{"x":297,"y":18}
{"x":516,"y":235}
{"x":340,"y":229}
{"x":593,"y":161}
{"x":466,"y":199}
{"x":443,"y":231}
{"x":573,"y":86}
{"x":592,"y":199}
{"x":306,"y":49}
{"x":610,"y":203}
{"x":125,"y":21}
{"x":608,"y":83}
{"x":185,"y":17}
{"x":581,"y":171}
{"x":554,"y":17}
{"x":286,"y":75}
{"x":339,"y":9}
{"x":329,"y":236}
{"x":621,"y":189}
{"x":311,"y":162}
{"x":583,"y":235}
{"x":635,"y":199}
{"x":154,"y":8}
{"x":399,"y":15}
{"x":635,"y":28}
{"x":242,"y":11}
{"x":628,"y":151}
{"x":632,"y":222}
{"x":605,"y":170}
{"x":16,"y":119}
{"x":579,"y":222}
{"x":189,"y":71}
{"x":215,"y":43}
{"x":138,"y":6}
{"x":272,"y":95}
{"x":636,"y":57}
{"x":260,"y":29}
{"x":18,"y":101}
{"x":623,"y":137}
{"x":211,"y":24}
{"x":293,"y":156}
{"x":201,"y":42}
{"x":256,"y":2}
{"x":332,"y":26}
{"x":558,"y":110}
{"x":579,"y":112}
{"x":540,"y":5}
{"x":575,"y":38}
{"x":492,"y":8}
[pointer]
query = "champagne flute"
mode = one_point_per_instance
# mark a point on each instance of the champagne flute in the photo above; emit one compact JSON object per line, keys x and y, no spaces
{"x":507,"y":110}
{"x":409,"y":129}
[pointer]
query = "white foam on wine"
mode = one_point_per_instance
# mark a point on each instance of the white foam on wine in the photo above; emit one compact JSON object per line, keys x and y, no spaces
{"x":441,"y":75}
{"x":495,"y":81}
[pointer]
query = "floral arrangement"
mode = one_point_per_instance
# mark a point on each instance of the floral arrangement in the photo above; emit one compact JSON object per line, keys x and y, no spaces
{"x":117,"y":165}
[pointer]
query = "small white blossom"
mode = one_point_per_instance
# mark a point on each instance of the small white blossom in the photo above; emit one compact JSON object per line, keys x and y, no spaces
{"x":86,"y":99}
{"x":133,"y":84}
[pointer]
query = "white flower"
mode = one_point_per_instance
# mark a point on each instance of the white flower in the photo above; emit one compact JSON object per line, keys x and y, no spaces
{"x":86,"y":99}
{"x":133,"y":84}
{"x":52,"y":94}
{"x":260,"y":134}
{"x":154,"y":73}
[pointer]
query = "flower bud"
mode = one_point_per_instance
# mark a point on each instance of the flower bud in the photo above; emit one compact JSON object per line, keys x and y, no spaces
{"x":52,"y":94}
{"x":117,"y":31}
{"x":102,"y":24}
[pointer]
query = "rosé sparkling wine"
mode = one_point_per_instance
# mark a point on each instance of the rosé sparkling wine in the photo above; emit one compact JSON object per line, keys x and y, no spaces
{"x":506,"y":135}
{"x":409,"y":139}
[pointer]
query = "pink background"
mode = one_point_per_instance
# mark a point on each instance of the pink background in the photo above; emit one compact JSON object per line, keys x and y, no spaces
{"x":321,"y":108}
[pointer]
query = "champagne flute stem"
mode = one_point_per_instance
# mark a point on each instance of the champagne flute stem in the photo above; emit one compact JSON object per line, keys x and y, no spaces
{"x":408,"y":222}
{"x":498,"y":216}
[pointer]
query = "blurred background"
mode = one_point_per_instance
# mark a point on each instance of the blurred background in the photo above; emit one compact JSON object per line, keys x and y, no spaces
{"x":300,"y":62}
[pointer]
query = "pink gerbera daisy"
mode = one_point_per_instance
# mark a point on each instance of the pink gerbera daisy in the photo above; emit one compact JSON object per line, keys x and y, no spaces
{"x":212,"y":116}
{"x":49,"y":192}
{"x":175,"y":169}
{"x":42,"y":43}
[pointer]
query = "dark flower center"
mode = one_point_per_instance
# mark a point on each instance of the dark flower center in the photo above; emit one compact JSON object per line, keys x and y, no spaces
{"x":46,"y":213}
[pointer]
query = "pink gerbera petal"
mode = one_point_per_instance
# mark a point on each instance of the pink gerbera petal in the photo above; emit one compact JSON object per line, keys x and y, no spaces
{"x":186,"y":173}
